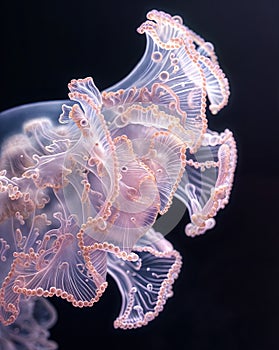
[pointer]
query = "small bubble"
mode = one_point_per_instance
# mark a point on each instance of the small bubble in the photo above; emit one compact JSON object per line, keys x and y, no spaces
{"x":177,"y":19}
{"x":120,"y":109}
{"x":83,"y":122}
{"x":164,"y":76}
{"x":156,"y":56}
{"x":149,"y":286}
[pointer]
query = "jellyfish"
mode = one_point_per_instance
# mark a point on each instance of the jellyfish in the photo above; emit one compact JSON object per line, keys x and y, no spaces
{"x":82,"y":182}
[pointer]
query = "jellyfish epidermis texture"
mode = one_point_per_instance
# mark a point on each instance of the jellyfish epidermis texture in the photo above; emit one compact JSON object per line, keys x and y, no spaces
{"x":80,"y":194}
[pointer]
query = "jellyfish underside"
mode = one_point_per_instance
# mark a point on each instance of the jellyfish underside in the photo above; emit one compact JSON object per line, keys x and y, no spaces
{"x":80,"y":192}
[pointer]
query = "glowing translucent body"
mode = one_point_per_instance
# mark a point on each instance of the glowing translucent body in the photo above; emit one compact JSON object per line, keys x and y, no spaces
{"x":79,"y":198}
{"x":30,"y":329}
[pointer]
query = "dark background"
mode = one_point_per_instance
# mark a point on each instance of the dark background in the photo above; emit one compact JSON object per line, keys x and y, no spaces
{"x":227,"y":295}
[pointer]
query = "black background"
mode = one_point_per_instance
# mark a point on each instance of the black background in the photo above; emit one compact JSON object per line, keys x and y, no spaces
{"x":227,"y":295}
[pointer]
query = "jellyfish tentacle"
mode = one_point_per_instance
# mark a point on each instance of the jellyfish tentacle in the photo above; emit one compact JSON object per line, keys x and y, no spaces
{"x":217,"y":85}
{"x":206,"y":184}
{"x":146,"y":284}
{"x":95,"y":143}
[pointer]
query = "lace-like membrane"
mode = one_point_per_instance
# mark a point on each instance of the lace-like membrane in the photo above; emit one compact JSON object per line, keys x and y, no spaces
{"x":79,"y":198}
